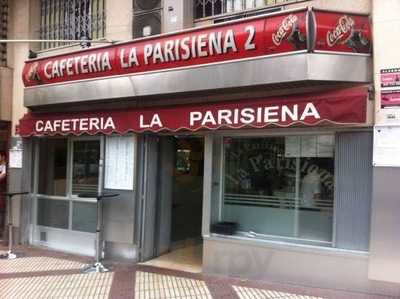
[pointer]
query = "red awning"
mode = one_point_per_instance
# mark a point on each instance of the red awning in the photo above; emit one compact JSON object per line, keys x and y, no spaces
{"x":342,"y":107}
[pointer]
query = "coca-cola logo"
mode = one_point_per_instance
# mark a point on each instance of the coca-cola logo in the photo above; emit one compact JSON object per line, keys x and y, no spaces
{"x":285,"y":29}
{"x":342,"y":32}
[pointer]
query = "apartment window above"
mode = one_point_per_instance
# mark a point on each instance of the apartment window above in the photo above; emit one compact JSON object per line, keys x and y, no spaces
{"x":215,"y":8}
{"x":147,"y":18}
{"x":71,"y":20}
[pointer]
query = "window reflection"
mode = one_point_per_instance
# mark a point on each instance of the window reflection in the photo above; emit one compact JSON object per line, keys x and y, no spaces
{"x":53,"y":167}
{"x":280,"y":186}
{"x":85,"y":171}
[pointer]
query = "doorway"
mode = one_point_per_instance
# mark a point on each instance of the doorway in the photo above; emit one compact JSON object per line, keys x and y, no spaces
{"x":178,"y":240}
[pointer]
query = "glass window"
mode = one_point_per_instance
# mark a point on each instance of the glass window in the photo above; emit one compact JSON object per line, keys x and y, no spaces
{"x":53,"y":213}
{"x":84,"y":216}
{"x":280,"y":186}
{"x":209,"y":8}
{"x":85,"y":169}
{"x":81,"y":158}
{"x":53,"y":167}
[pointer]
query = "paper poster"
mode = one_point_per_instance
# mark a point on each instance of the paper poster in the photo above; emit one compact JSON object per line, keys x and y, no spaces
{"x":322,"y":146}
{"x":15,"y":158}
{"x":390,"y":99}
{"x":390,"y":77}
{"x":386,"y":146}
{"x":119,"y":162}
{"x":325,"y":146}
{"x":292,"y":146}
{"x":308,"y":146}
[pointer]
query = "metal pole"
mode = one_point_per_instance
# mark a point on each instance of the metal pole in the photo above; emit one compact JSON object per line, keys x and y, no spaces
{"x":10,"y":225}
{"x":98,"y":230}
{"x":98,"y":267}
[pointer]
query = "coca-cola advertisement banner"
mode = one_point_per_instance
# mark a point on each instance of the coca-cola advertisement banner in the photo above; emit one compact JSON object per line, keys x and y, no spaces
{"x":339,"y":107}
{"x":341,"y":32}
{"x":245,"y":39}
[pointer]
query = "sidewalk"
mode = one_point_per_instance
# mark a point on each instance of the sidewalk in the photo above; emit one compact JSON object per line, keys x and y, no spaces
{"x":47,"y":274}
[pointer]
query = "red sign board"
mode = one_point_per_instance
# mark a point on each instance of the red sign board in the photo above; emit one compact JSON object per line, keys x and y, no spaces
{"x":244,"y":39}
{"x":339,"y":107}
{"x":341,"y":32}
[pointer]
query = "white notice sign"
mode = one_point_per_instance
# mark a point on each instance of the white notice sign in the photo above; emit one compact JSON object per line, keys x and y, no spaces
{"x":386,"y":146}
{"x":119,"y":162}
{"x":309,"y":146}
{"x":292,"y":146}
{"x":15,"y":158}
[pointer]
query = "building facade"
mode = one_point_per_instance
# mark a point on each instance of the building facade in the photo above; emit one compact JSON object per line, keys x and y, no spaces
{"x":246,"y":126}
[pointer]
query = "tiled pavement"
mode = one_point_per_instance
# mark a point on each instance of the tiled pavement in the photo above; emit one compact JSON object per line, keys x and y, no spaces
{"x":47,"y":274}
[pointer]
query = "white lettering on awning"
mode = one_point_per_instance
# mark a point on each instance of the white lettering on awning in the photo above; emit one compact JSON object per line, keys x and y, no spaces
{"x":259,"y":115}
{"x":75,"y":124}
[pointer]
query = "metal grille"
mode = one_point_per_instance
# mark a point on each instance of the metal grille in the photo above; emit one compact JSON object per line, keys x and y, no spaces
{"x":3,"y":31}
{"x":210,"y":8}
{"x":353,"y":190}
{"x":71,"y":19}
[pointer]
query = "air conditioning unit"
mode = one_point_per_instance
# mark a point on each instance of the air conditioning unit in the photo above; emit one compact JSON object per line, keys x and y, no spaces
{"x":146,"y":5}
{"x":147,"y":18}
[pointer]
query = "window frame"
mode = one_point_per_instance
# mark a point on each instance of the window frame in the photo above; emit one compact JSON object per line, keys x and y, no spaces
{"x":275,"y":238}
{"x":69,"y":197}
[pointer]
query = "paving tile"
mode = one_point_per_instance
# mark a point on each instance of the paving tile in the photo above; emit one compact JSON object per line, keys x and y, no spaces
{"x":48,"y":274}
{"x":254,"y":293}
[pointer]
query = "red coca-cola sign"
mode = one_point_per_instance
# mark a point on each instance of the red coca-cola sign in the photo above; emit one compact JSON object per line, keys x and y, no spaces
{"x":287,"y":33}
{"x":341,"y":32}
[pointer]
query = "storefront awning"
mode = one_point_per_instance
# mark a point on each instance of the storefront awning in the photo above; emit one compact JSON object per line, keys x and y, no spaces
{"x":344,"y":107}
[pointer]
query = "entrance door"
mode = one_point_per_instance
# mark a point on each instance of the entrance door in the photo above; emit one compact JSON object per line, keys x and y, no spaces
{"x":187,"y":199}
{"x":179,"y":201}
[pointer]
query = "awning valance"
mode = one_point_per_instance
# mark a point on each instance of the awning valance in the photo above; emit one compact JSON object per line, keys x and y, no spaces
{"x":344,"y":107}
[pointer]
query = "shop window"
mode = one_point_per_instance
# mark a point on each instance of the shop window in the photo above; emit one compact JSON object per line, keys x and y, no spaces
{"x":85,"y":169}
{"x":66,"y":168}
{"x":71,"y":20}
{"x":53,"y":167}
{"x":216,"y":8}
{"x":53,"y":213}
{"x":280,"y":187}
